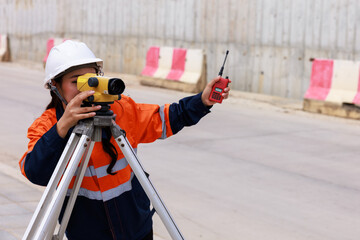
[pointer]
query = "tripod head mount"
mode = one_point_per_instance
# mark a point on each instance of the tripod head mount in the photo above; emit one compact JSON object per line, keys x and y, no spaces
{"x":104,"y":110}
{"x":92,"y":127}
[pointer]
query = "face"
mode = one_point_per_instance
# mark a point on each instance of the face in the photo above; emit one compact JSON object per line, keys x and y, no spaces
{"x":68,"y":88}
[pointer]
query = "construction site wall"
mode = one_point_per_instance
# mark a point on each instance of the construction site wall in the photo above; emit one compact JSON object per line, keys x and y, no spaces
{"x":270,"y":41}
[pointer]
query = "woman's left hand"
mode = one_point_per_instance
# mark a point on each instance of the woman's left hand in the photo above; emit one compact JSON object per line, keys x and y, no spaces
{"x":206,"y":93}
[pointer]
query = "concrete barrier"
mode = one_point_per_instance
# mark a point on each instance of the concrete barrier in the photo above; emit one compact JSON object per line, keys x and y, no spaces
{"x":175,"y":68}
{"x":334,"y":88}
{"x":4,"y":48}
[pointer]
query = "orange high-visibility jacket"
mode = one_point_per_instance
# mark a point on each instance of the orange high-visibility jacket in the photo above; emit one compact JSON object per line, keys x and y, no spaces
{"x":143,"y":123}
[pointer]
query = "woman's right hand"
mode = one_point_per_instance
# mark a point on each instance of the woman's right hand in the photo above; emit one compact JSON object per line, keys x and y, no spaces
{"x":74,"y":112}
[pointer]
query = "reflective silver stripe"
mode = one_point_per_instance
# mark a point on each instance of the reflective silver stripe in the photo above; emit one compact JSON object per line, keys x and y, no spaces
{"x":87,"y":193}
{"x":107,"y":195}
{"x":23,"y":161}
{"x":117,"y":191}
{"x":119,"y":165}
{"x":89,"y":172}
{"x":101,"y":171}
{"x":162,"y":116}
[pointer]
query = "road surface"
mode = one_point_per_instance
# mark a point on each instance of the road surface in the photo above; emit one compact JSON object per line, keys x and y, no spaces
{"x":249,"y":170}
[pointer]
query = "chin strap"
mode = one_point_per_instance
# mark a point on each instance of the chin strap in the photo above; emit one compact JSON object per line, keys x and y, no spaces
{"x":54,"y":90}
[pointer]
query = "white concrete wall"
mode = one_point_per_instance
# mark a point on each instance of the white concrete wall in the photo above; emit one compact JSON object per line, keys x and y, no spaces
{"x":270,"y":41}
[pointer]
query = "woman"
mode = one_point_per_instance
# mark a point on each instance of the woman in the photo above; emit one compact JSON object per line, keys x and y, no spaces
{"x":111,"y":204}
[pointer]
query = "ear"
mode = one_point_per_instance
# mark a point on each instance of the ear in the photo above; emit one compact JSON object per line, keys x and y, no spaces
{"x":56,"y":84}
{"x":52,"y":82}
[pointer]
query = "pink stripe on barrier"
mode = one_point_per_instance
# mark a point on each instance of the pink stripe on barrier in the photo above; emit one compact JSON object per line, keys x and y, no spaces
{"x":357,"y":97}
{"x":178,"y":64}
{"x":152,"y":61}
{"x":49,"y":45}
{"x":320,"y":82}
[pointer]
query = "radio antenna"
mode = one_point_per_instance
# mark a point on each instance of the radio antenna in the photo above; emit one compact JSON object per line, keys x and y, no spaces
{"x":222,"y":67}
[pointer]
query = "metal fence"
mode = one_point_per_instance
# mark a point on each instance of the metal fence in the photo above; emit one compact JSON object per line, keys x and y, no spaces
{"x":270,"y":41}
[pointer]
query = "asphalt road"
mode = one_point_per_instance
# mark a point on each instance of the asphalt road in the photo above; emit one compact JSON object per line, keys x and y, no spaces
{"x":249,"y":170}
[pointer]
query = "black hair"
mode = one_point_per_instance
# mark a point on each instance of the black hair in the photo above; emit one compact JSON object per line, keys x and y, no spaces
{"x":55,"y":100}
{"x":110,"y":149}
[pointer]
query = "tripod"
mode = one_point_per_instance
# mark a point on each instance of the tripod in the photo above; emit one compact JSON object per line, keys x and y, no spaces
{"x":79,"y":146}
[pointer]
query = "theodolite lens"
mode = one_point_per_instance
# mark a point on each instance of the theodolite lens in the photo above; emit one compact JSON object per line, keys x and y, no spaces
{"x":116,"y":86}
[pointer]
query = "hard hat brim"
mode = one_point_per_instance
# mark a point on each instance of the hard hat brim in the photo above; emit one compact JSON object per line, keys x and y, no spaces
{"x":63,"y":68}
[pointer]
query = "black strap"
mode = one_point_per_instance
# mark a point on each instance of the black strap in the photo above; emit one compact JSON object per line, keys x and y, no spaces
{"x":54,"y":90}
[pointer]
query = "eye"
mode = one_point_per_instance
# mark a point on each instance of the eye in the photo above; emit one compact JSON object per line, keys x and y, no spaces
{"x":75,"y":81}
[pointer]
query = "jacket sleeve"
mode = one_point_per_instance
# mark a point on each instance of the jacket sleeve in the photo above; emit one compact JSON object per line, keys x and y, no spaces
{"x":187,"y":112}
{"x":145,"y":123}
{"x":44,"y":150}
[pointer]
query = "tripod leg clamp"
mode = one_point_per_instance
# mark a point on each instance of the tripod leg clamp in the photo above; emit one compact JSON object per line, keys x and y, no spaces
{"x":116,"y":131}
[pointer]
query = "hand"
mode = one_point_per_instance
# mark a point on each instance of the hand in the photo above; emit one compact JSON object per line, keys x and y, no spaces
{"x":206,"y":93}
{"x":74,"y":112}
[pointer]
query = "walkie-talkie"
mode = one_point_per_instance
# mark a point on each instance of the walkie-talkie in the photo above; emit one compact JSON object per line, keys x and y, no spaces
{"x":220,"y":85}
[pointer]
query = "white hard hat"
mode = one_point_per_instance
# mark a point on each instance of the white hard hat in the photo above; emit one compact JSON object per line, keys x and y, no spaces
{"x":66,"y":55}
